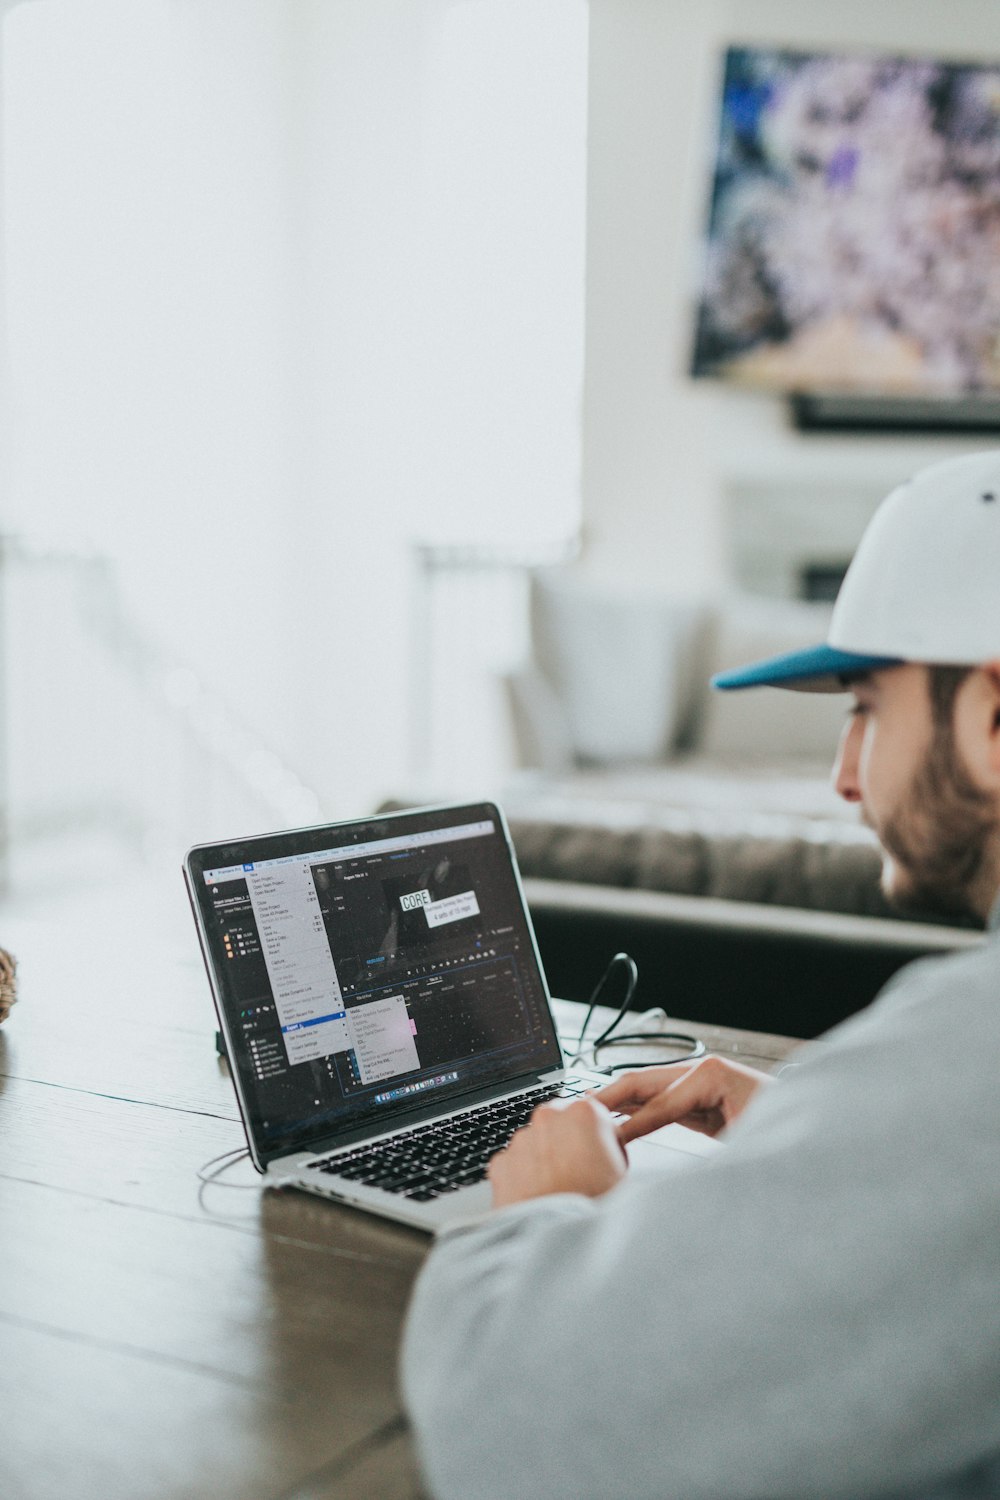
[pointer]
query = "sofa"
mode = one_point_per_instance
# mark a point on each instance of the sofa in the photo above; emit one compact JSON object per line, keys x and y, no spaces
{"x":698,"y":830}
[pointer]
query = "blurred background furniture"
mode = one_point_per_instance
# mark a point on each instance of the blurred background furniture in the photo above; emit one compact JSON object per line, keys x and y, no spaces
{"x":636,"y":774}
{"x":763,"y":968}
{"x":698,"y":830}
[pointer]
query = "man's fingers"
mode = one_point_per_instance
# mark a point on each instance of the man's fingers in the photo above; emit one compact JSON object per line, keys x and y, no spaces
{"x":706,"y":1097}
{"x":631,"y":1090}
{"x":568,"y":1146}
{"x":628,"y":1089}
{"x":693,"y":1092}
{"x":496,"y":1164}
{"x":659,"y":1111}
{"x":541,"y":1125}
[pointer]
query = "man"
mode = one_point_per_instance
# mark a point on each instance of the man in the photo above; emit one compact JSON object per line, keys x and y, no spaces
{"x":813,"y":1311}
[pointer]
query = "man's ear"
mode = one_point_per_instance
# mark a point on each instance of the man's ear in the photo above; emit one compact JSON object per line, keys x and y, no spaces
{"x":991,"y":673}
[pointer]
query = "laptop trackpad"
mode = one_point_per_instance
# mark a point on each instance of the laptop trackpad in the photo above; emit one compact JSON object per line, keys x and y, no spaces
{"x":667,"y":1147}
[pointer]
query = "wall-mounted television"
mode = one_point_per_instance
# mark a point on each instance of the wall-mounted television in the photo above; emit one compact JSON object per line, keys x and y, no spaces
{"x":853,"y":235}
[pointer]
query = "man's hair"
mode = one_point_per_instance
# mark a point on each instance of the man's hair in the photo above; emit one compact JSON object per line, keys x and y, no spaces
{"x":943,"y":684}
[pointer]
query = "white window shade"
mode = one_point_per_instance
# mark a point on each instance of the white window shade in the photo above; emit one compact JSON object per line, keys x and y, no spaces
{"x":291,"y":287}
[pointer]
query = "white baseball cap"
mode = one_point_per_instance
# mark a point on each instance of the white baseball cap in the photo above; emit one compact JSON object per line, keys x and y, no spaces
{"x":924,"y":585}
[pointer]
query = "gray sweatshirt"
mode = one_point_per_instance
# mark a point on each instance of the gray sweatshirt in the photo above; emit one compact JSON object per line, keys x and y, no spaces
{"x":812,"y":1312}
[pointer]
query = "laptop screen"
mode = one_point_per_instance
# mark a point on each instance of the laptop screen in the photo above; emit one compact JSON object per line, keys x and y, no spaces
{"x":370,"y":968}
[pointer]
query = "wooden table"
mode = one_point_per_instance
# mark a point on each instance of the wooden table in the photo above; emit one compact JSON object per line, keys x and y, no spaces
{"x":163,"y":1337}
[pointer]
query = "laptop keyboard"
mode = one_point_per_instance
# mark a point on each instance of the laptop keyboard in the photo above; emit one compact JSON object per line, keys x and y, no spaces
{"x":446,"y":1154}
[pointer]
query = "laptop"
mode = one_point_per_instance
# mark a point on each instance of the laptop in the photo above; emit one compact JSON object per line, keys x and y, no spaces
{"x":384,"y":1008}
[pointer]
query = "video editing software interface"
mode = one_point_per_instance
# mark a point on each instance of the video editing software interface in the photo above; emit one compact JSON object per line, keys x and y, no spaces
{"x":363,"y":980}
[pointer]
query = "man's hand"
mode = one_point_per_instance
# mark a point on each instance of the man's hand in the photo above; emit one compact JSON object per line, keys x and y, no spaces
{"x":706,"y":1096}
{"x":565,"y":1148}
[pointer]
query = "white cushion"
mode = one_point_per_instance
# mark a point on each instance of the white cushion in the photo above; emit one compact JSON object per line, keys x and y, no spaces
{"x":541,"y":725}
{"x":619,"y":662}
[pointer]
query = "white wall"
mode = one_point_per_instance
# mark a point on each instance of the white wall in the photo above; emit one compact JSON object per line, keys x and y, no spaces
{"x":663,"y":457}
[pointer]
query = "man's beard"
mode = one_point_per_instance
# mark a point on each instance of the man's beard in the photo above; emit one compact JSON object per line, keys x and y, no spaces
{"x":939,"y":837}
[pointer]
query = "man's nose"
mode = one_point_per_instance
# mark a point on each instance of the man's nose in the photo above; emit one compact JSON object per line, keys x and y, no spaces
{"x":845,"y":767}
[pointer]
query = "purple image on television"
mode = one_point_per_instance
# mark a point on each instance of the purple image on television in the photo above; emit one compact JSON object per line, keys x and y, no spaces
{"x":853,"y":239}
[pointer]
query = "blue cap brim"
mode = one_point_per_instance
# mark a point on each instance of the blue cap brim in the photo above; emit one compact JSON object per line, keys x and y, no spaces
{"x":820,"y":669}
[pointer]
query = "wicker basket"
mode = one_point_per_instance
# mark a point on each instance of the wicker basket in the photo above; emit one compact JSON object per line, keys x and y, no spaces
{"x":8,"y":983}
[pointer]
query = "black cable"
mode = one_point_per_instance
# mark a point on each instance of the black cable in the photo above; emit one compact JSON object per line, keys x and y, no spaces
{"x":695,"y":1047}
{"x":633,"y":980}
{"x":227,"y":1159}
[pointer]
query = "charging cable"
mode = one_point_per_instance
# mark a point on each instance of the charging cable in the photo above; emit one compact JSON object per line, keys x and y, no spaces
{"x":210,"y":1173}
{"x":673,"y":1039}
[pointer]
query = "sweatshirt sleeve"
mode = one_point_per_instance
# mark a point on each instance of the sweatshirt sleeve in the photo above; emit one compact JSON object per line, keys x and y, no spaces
{"x":810,"y":1313}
